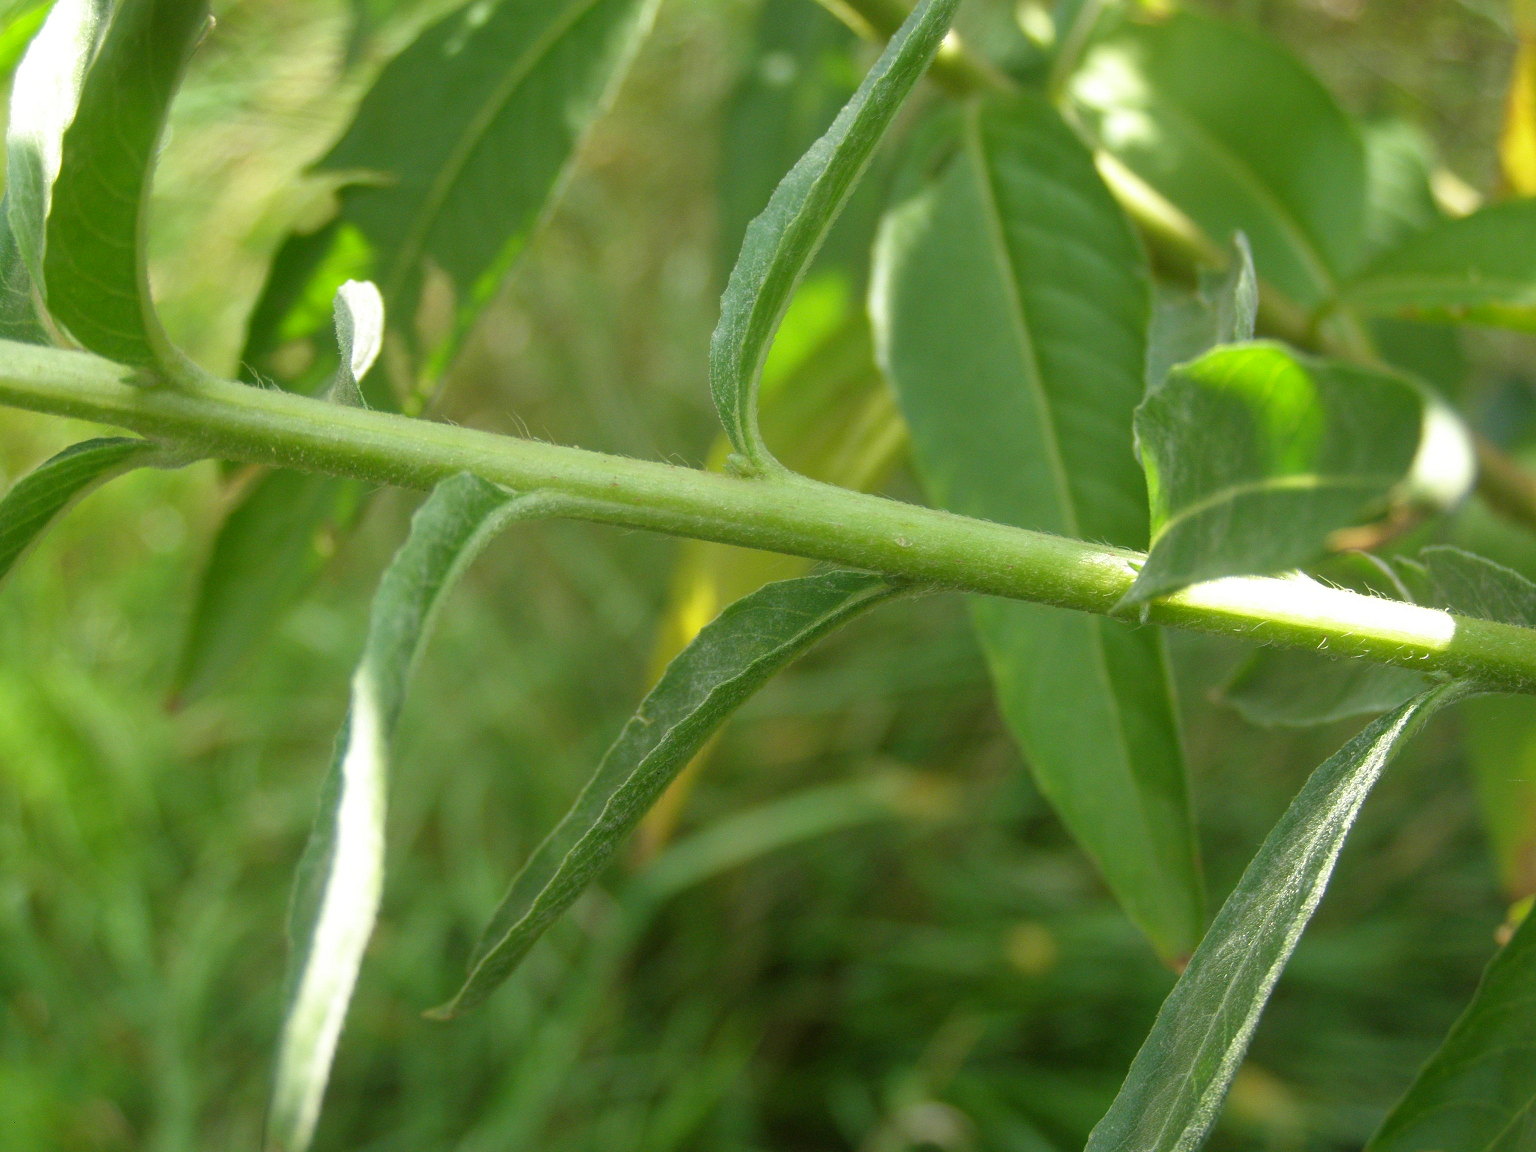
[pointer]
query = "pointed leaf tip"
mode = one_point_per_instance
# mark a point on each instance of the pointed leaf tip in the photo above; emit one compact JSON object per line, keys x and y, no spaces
{"x":1176,"y":1084}
{"x":729,"y":660}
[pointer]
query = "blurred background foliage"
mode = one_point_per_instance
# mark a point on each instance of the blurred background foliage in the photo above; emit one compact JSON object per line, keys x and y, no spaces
{"x":874,"y":935}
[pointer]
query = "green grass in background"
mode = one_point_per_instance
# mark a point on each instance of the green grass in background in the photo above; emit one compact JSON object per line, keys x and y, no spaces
{"x":947,"y":974}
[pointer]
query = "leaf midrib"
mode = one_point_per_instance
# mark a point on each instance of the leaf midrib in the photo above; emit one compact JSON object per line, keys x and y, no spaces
{"x":1304,"y":244}
{"x":1008,"y":273}
{"x":411,"y":248}
{"x":1298,"y":482}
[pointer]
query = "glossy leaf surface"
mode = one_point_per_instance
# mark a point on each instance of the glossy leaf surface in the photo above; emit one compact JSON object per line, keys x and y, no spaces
{"x":460,"y":145}
{"x":781,"y":242}
{"x":1478,"y":1092}
{"x":730,"y":659}
{"x":1255,"y":455}
{"x":1178,"y":1080}
{"x":341,"y":876}
{"x":1240,"y":136}
{"x":95,"y":264}
{"x":1011,"y":306}
{"x":39,"y":496}
{"x":1478,"y":269}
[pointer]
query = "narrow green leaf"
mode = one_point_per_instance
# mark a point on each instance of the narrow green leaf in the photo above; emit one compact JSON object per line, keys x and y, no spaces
{"x":43,"y":493}
{"x":1178,"y":1079}
{"x":1255,"y":455}
{"x":44,"y":96}
{"x":94,"y":264}
{"x":1478,"y":1092}
{"x":1240,"y":136}
{"x":341,"y":876}
{"x":730,"y":659}
{"x":781,"y":242}
{"x":20,"y":21}
{"x":460,"y":145}
{"x":1479,"y":269}
{"x":266,"y":552}
{"x":1286,"y":688}
{"x":1010,"y":303}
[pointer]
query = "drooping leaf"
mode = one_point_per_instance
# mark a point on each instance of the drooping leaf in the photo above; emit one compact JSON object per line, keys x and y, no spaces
{"x":1178,"y":1079}
{"x":34,"y":500}
{"x":459,"y":146}
{"x":340,"y":879}
{"x":781,"y":242}
{"x":266,"y":552}
{"x":825,"y":400}
{"x":1478,"y":1092}
{"x":1010,"y":304}
{"x":1288,"y":688}
{"x":1478,"y":269}
{"x":729,"y":660}
{"x":1255,"y":455}
{"x":1239,"y":136}
{"x":94,"y":263}
{"x":44,"y":96}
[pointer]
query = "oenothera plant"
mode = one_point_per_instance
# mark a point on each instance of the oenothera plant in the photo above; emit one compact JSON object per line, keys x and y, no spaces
{"x":1130,"y":287}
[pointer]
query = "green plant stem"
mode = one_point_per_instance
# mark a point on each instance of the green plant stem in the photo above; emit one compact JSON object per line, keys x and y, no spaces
{"x":781,"y":514}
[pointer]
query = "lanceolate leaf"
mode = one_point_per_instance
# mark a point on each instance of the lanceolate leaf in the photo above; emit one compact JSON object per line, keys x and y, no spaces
{"x":1238,"y":135}
{"x":1011,"y":307}
{"x":781,"y":242}
{"x":42,"y":494}
{"x":44,"y":96}
{"x":341,"y":876}
{"x":1478,"y":1092}
{"x":95,"y":264}
{"x":1479,"y":269}
{"x":1255,"y":455}
{"x":1178,"y":1079}
{"x":729,"y":660}
{"x":461,"y":142}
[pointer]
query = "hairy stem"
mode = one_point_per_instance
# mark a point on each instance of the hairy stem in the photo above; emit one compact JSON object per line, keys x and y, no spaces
{"x":782,"y":514}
